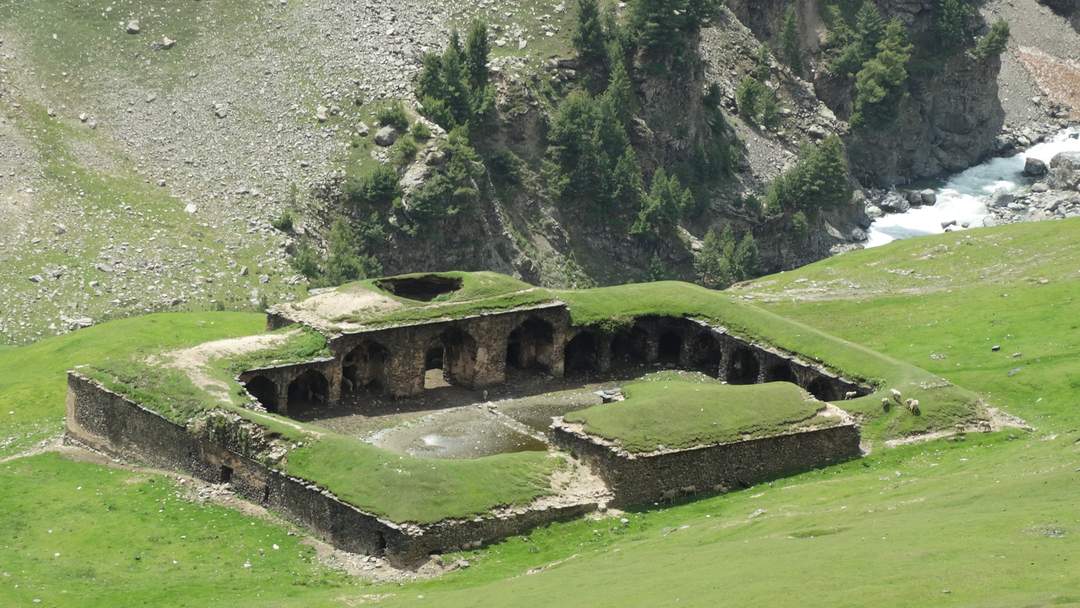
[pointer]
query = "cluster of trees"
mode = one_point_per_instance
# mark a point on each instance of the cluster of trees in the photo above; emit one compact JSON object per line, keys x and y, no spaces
{"x":454,"y":87}
{"x":724,"y":261}
{"x":819,"y":180}
{"x":343,"y":261}
{"x":876,"y":53}
{"x":662,"y":28}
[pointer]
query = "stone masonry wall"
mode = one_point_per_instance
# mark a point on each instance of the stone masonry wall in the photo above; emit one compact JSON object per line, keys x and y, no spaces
{"x":645,"y":479}
{"x":110,"y":423}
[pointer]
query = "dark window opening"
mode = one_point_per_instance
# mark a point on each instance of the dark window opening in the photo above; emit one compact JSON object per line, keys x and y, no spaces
{"x":434,"y":376}
{"x":425,"y":288}
{"x":226,"y":474}
{"x":743,"y":367}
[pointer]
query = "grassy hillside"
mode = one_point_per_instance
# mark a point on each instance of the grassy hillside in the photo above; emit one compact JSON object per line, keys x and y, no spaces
{"x":989,"y":520}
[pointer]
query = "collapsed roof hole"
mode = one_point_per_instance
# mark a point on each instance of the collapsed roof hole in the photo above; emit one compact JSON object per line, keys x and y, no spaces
{"x":264,"y":391}
{"x":743,"y":367}
{"x":780,"y":372}
{"x":309,"y":390}
{"x":424,"y":288}
{"x":582,"y":354}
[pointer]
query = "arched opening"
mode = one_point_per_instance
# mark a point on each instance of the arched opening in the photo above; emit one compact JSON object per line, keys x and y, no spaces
{"x":670,"y":347}
{"x":582,"y":354}
{"x":779,"y":372}
{"x":629,"y":347}
{"x":310,"y":390}
{"x":705,"y":353}
{"x":530,"y":346}
{"x":743,"y":367}
{"x":264,"y":391}
{"x":434,"y":376}
{"x":458,"y":357}
{"x":364,"y":367}
{"x":450,"y":360}
{"x":823,"y":389}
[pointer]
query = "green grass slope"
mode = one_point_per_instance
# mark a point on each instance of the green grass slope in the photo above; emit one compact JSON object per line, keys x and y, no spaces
{"x":986,"y":521}
{"x":33,"y":384}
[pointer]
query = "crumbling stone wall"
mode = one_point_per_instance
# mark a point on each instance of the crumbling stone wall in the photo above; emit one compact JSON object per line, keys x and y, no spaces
{"x":115,"y":425}
{"x":639,"y":479}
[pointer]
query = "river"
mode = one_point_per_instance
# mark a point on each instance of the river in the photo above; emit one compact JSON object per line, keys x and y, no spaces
{"x":963,"y":197}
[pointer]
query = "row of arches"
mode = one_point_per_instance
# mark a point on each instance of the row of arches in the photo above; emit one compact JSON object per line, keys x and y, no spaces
{"x":450,"y":358}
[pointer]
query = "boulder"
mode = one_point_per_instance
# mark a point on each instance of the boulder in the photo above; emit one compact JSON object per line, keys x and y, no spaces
{"x":929,"y":197}
{"x":1002,"y":199}
{"x":1034,"y":167}
{"x":133,"y":27}
{"x":914,"y":198}
{"x":1040,"y":187}
{"x":386,"y":136}
{"x":894,"y":203}
{"x":1065,"y":171}
{"x":874,"y":212}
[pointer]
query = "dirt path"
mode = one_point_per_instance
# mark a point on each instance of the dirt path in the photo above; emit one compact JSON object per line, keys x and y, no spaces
{"x":195,"y":361}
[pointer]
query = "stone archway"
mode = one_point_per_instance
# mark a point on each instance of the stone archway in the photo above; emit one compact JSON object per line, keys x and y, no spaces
{"x":583,"y":354}
{"x":706,"y":355}
{"x":742,"y":367}
{"x":780,"y":372}
{"x":823,"y":389}
{"x":364,"y":368}
{"x":531,"y":346}
{"x":629,"y":347}
{"x":669,"y":347}
{"x":310,"y":390}
{"x":265,"y":391}
{"x":450,"y":359}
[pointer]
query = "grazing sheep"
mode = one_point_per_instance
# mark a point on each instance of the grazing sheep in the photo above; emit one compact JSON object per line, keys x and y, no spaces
{"x":913,"y":406}
{"x":895,"y":394}
{"x":885,"y":403}
{"x":851,"y":394}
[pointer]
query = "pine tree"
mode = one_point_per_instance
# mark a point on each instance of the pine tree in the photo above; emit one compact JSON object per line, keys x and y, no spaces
{"x":662,"y":206}
{"x":818,"y":180}
{"x":951,"y":23}
{"x":995,"y":42}
{"x":457,"y":97}
{"x":744,"y":260}
{"x":627,"y":183}
{"x":620,"y":94}
{"x":869,"y":30}
{"x":882,"y":82}
{"x":789,"y":41}
{"x":476,"y":56}
{"x":713,"y":262}
{"x":589,"y":38}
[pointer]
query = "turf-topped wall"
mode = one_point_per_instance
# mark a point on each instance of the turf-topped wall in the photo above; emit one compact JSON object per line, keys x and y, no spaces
{"x":115,"y":425}
{"x":663,"y":476}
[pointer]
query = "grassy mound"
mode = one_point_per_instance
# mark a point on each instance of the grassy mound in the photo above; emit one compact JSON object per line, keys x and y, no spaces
{"x":667,"y":412}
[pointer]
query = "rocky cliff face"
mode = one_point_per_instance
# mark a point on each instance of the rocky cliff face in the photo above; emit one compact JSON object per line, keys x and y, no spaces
{"x":950,"y":118}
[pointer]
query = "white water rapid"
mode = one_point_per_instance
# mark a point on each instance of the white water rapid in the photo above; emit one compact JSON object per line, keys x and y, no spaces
{"x":964,"y":196}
